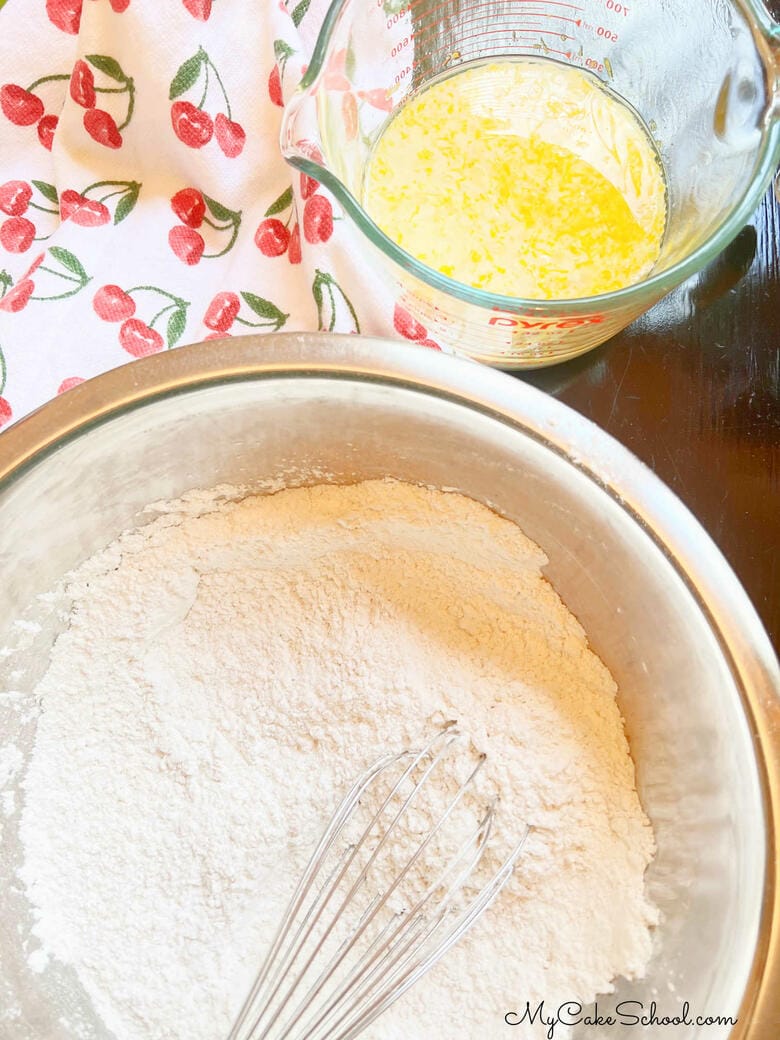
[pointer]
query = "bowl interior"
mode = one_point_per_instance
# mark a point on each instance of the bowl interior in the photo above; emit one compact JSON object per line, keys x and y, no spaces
{"x":690,"y":739}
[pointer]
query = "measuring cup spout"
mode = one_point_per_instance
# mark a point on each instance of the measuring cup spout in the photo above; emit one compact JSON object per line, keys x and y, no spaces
{"x":299,"y":137}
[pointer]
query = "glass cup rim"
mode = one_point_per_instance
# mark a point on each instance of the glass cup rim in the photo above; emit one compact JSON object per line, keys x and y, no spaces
{"x":653,"y":287}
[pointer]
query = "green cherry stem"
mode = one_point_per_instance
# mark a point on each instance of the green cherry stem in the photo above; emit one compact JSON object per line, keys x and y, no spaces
{"x":206,"y":64}
{"x":63,"y":296}
{"x":218,"y":227}
{"x":44,"y":209}
{"x":109,"y":184}
{"x":48,"y":79}
{"x":153,"y":288}
{"x":111,"y":194}
{"x":59,"y":274}
{"x":3,"y":372}
{"x":130,"y":103}
{"x":257,"y":324}
{"x":159,"y":314}
{"x":229,"y":246}
{"x":111,"y":90}
{"x":221,"y":84}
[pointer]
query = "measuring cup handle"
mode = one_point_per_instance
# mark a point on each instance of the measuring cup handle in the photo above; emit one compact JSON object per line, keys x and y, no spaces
{"x":770,"y":29}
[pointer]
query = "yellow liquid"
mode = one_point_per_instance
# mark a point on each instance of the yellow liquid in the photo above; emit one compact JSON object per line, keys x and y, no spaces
{"x":523,"y":177}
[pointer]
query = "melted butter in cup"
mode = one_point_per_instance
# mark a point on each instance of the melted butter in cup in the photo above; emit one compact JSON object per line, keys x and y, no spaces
{"x":526,"y":178}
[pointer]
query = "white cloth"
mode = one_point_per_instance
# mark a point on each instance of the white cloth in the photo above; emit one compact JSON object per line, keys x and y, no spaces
{"x":139,"y":159}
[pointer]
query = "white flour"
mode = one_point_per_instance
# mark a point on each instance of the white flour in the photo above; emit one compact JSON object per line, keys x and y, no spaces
{"x":226,"y":675}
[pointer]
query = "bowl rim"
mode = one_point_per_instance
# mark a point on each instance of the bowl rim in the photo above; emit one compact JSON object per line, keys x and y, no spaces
{"x":631,"y":484}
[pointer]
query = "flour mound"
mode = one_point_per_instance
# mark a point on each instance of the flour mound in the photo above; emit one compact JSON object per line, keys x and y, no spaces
{"x":225,"y":676}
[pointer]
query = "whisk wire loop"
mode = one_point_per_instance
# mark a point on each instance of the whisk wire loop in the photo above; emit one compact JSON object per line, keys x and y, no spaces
{"x":366,"y":921}
{"x":446,"y":737}
{"x":334,"y":828}
{"x":396,"y":986}
{"x":381,"y":960}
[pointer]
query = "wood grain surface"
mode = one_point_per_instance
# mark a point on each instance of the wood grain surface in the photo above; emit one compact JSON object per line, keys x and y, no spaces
{"x":693,"y":389}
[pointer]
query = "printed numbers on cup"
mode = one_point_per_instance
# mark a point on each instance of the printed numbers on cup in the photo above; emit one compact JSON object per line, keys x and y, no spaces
{"x":618,"y":8}
{"x":394,"y":19}
{"x":403,"y":73}
{"x":608,"y":34}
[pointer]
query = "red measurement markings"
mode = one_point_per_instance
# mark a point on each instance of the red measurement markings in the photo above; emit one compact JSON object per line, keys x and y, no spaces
{"x":508,"y":29}
{"x":532,"y":40}
{"x":488,"y":10}
{"x":549,"y":3}
{"x":440,"y":7}
{"x":547,"y":17}
{"x":432,"y":25}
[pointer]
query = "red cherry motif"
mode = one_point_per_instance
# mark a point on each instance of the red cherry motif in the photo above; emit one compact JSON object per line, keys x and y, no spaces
{"x":111,"y":303}
{"x":191,"y":125}
{"x":6,"y":414}
{"x":65,"y":14}
{"x":308,"y":185}
{"x":230,"y":136}
{"x":119,"y":5}
{"x":317,"y":219}
{"x":17,"y":298}
{"x":406,"y":325}
{"x":91,"y":213}
{"x":335,"y":78}
{"x":82,"y":85}
{"x":186,"y":243}
{"x":46,"y":128}
{"x":83,"y":211}
{"x":272,"y":237}
{"x":349,"y":114}
{"x":17,"y":234}
{"x":101,"y":127}
{"x":377,"y":98}
{"x":275,"y":87}
{"x":15,"y":197}
{"x":69,"y":383}
{"x":311,"y":151}
{"x":200,"y":9}
{"x":222,"y":311}
{"x":33,"y":266}
{"x":138,"y":339}
{"x":294,"y":249}
{"x":19,"y":105}
{"x":70,"y":200}
{"x":189,"y":206}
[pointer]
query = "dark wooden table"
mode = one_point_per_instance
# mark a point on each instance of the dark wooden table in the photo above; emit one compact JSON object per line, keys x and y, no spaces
{"x":693,"y":389}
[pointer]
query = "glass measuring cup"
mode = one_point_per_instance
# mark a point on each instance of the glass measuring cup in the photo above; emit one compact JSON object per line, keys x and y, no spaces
{"x":704,"y":75}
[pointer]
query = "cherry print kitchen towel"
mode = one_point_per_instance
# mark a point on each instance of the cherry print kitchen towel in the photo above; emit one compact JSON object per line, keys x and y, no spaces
{"x":144,"y":203}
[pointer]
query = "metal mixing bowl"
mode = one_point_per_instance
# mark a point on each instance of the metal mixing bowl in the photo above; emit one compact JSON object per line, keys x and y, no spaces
{"x":698,"y":679}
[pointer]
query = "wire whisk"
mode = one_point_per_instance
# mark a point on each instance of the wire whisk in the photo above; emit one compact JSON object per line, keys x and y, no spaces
{"x":389,"y":889}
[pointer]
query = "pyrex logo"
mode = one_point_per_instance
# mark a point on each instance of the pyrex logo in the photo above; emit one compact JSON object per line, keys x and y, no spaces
{"x":558,"y":323}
